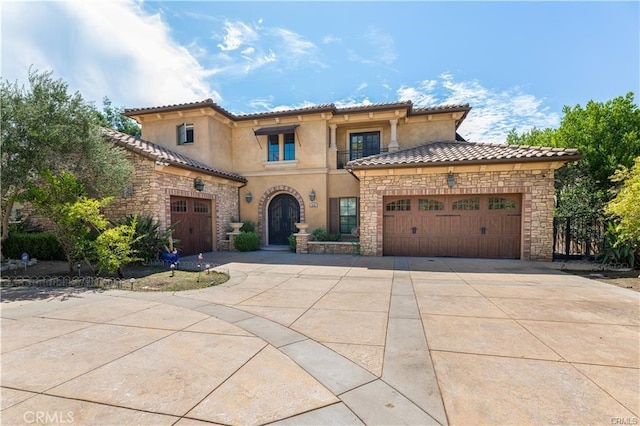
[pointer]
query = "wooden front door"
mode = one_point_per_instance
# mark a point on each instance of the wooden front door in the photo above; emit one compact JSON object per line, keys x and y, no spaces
{"x":193,"y":225}
{"x":284,"y":213}
{"x":484,"y":226}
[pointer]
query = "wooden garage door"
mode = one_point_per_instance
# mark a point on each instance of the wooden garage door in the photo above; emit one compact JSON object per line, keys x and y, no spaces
{"x":192,"y":218}
{"x":485,"y":226}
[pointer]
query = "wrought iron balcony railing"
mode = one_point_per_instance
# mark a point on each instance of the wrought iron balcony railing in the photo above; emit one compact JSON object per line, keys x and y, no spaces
{"x":345,"y":156}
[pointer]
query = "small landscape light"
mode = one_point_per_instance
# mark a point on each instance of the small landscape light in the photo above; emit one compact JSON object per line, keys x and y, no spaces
{"x":131,"y":281}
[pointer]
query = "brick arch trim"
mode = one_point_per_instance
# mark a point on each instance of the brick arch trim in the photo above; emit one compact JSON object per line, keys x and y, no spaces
{"x":264,"y":202}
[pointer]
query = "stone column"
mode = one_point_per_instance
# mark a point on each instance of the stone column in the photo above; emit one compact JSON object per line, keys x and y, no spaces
{"x":393,"y":144}
{"x":302,"y":243}
{"x":232,"y":238}
{"x":332,"y":142}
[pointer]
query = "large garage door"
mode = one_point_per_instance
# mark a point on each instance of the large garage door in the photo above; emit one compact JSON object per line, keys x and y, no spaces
{"x":192,"y":220}
{"x":486,"y":226}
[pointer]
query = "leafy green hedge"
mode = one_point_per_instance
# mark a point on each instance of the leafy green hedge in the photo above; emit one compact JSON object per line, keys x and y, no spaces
{"x":321,"y":234}
{"x":247,"y":241}
{"x":42,"y":246}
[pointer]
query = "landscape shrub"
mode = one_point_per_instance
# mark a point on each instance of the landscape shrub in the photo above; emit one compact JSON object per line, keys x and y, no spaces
{"x":247,"y":241}
{"x":292,"y":242}
{"x":41,"y":246}
{"x":249,"y":226}
{"x":321,"y":234}
{"x":149,"y":239}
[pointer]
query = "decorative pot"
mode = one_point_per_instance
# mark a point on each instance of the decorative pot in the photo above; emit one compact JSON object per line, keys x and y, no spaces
{"x":302,"y":227}
{"x":235,"y":226}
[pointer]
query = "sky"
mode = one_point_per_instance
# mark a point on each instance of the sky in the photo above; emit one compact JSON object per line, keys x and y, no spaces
{"x":517,"y":64}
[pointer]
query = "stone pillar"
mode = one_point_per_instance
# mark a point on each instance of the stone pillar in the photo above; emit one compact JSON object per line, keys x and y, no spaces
{"x":333,"y":146}
{"x":393,"y":144}
{"x":302,"y":243}
{"x":232,"y":237}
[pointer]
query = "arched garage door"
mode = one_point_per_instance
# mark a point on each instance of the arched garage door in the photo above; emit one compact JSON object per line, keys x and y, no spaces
{"x":484,"y":226}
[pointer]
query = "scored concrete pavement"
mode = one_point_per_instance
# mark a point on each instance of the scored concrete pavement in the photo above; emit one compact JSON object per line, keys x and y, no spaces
{"x":329,"y":339}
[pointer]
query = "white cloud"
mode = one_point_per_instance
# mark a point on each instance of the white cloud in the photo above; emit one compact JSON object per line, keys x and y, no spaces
{"x":362,"y":86}
{"x":295,"y":48}
{"x":422,"y":95}
{"x":248,"y":51}
{"x":136,"y":64}
{"x":237,"y":34}
{"x":494,"y":112}
{"x":330,"y":38}
{"x":384,"y":45}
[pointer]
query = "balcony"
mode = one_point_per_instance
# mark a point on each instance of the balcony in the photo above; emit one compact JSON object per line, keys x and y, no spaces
{"x":345,"y":156}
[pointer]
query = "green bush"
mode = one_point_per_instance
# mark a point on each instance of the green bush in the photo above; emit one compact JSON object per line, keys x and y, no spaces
{"x":41,"y":246}
{"x":292,"y":243}
{"x":249,"y":226}
{"x":321,"y":234}
{"x":149,"y":239}
{"x":247,"y":241}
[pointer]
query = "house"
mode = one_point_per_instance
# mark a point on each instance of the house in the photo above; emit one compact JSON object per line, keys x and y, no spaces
{"x":399,"y":174}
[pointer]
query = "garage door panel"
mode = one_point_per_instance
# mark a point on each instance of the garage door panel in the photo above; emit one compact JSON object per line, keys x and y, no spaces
{"x":461,"y":226}
{"x":192,"y":218}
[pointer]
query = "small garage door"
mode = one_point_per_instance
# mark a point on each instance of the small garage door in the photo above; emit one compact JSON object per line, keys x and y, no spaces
{"x":192,"y":220}
{"x":485,"y":226}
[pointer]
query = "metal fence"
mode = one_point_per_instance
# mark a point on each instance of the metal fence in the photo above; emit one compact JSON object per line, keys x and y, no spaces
{"x":577,"y":238}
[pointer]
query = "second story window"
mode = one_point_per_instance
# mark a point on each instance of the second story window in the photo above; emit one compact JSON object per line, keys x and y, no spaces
{"x":289,"y":146}
{"x":274,"y":147}
{"x":185,"y":134}
{"x":363,"y":144}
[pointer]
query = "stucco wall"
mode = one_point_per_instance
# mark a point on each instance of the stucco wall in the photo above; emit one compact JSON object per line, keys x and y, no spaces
{"x":536,"y":187}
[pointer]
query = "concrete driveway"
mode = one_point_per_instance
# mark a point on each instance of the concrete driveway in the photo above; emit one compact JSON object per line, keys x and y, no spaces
{"x":325,"y":339}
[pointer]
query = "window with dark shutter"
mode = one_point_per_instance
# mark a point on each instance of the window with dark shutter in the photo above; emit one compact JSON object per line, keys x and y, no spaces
{"x":185,"y":134}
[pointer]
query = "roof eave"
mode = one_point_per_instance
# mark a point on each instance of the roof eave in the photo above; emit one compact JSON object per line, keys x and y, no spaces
{"x":563,"y":159}
{"x":153,"y":156}
{"x":182,"y":107}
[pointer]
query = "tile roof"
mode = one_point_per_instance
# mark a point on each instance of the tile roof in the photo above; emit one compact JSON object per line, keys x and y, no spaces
{"x":178,"y":107}
{"x":411,"y":110}
{"x":446,"y":153}
{"x":160,"y":153}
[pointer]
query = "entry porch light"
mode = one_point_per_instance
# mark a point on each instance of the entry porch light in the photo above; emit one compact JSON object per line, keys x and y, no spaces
{"x":312,"y":195}
{"x":248,"y":197}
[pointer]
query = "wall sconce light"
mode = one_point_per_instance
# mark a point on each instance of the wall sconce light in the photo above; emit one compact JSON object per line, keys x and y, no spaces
{"x":451,"y":180}
{"x":248,"y":197}
{"x":312,"y":195}
{"x":198,"y":184}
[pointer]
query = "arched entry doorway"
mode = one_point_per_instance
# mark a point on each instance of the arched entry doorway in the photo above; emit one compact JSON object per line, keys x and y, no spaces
{"x":284,"y":213}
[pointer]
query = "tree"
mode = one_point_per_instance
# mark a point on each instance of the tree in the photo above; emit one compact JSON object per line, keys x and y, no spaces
{"x":112,"y":117}
{"x":625,"y":206}
{"x":44,"y":128}
{"x":606,"y":134}
{"x":115,"y":248}
{"x":76,"y":217}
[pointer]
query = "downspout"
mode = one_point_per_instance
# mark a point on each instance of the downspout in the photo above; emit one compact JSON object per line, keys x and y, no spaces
{"x":352,"y":174}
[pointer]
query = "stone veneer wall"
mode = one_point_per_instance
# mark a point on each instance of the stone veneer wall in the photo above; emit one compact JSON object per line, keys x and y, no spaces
{"x":144,"y":199}
{"x":535,"y":186}
{"x":152,"y":189}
